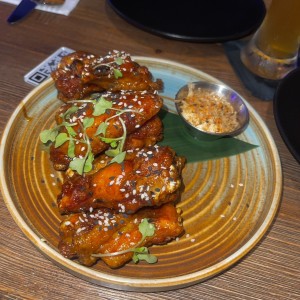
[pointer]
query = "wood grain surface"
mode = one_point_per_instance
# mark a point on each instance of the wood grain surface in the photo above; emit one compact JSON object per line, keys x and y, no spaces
{"x":270,"y":271}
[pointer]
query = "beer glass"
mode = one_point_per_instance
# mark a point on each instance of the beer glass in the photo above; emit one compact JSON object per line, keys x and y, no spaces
{"x":273,"y":50}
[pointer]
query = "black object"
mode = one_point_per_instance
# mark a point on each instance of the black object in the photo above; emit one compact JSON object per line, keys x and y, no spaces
{"x":286,"y":106}
{"x":261,"y":88}
{"x":193,"y":20}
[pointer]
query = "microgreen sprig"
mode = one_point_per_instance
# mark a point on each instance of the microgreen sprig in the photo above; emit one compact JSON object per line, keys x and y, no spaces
{"x":147,"y":229}
{"x":84,"y":163}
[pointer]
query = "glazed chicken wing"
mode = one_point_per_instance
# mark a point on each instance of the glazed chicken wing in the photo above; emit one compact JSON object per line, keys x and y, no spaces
{"x":148,"y":135}
{"x":80,"y":74}
{"x":134,"y":109}
{"x":105,"y":232}
{"x":147,"y":177}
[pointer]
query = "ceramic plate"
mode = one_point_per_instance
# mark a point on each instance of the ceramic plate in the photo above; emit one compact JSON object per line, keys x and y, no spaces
{"x":228,"y":204}
{"x":287,"y":111}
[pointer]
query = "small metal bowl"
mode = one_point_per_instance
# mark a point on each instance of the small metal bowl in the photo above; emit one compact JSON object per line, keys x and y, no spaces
{"x":222,"y":92}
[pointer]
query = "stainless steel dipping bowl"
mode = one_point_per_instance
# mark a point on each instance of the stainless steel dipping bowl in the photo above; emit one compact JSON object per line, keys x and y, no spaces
{"x":226,"y":94}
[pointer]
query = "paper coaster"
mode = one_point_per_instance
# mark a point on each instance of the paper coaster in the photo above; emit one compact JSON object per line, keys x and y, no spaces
{"x":43,"y":71}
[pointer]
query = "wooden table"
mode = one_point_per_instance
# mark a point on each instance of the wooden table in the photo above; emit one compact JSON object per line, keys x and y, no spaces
{"x":270,"y":271}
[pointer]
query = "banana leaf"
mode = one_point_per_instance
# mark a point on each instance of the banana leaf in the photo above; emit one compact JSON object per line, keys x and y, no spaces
{"x":177,"y":137}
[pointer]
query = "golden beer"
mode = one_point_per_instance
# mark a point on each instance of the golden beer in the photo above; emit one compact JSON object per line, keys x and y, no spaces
{"x":273,"y":50}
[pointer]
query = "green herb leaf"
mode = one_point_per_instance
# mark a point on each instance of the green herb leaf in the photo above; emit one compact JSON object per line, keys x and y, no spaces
{"x":119,"y":157}
{"x":89,"y":162}
{"x":112,"y":152}
{"x":146,"y":228}
{"x":71,"y":148}
{"x":101,"y":129}
{"x":71,"y":131}
{"x":61,"y":139}
{"x":77,"y":164}
{"x":117,"y":73}
{"x":48,"y":135}
{"x":67,"y":114}
{"x":87,"y":122}
{"x":101,"y":106}
{"x":149,"y":258}
{"x":119,"y":61}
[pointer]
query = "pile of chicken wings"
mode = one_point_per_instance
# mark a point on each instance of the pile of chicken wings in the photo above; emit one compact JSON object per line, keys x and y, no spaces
{"x":116,"y":174}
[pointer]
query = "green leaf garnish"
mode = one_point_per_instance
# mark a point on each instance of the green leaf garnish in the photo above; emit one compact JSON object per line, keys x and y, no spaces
{"x":101,"y":128}
{"x":71,"y":131}
{"x":89,"y":162}
{"x":142,"y":253}
{"x":67,"y":114}
{"x":101,"y":106}
{"x":119,"y":61}
{"x":112,"y":152}
{"x":71,"y":148}
{"x":119,"y":158}
{"x":117,"y":73}
{"x":87,"y":122}
{"x":146,"y":228}
{"x":48,"y":135}
{"x":61,"y":139}
{"x":77,"y":164}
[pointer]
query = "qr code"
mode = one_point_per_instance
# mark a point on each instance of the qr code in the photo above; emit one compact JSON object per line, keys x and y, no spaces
{"x":43,"y":71}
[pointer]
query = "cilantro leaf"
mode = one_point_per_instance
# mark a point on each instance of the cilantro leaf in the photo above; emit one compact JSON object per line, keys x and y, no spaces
{"x":117,"y":73}
{"x":69,"y":112}
{"x":112,"y":152}
{"x":77,"y":164}
{"x":61,"y":139}
{"x":146,"y":228}
{"x":71,"y":131}
{"x":48,"y":135}
{"x":87,"y":122}
{"x":71,"y":148}
{"x":119,"y":61}
{"x":119,"y":157}
{"x":101,"y":106}
{"x":149,"y":258}
{"x":88,"y":163}
{"x":101,"y":128}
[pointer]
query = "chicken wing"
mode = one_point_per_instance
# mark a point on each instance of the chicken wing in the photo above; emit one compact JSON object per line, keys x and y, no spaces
{"x":80,"y":74}
{"x":134,"y":108}
{"x":105,"y":232}
{"x":148,"y":135}
{"x":147,"y":177}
